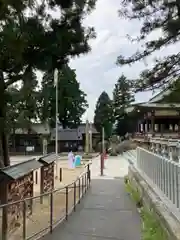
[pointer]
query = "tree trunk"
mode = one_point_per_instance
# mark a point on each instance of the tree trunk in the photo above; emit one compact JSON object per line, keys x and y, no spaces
{"x":14,"y":139}
{"x":3,"y":127}
{"x":4,"y":148}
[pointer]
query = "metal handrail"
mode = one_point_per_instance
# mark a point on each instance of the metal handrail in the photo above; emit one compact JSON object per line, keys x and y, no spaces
{"x":164,"y":174}
{"x":84,"y":180}
{"x":47,"y":193}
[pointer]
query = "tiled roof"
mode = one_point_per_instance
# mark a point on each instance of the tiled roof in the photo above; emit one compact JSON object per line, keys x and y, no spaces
{"x":66,"y":135}
{"x":74,"y":134}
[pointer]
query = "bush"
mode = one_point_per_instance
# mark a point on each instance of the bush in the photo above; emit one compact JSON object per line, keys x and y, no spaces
{"x":151,"y":228}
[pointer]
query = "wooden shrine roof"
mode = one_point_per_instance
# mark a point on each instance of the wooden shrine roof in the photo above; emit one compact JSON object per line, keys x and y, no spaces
{"x":153,"y":106}
{"x":19,"y":170}
{"x":47,"y":159}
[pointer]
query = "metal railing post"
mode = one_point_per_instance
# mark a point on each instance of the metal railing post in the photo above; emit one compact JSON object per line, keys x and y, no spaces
{"x":51,"y":212}
{"x":85,"y":180}
{"x":178,"y":186}
{"x":24,"y":220}
{"x":74,"y":196}
{"x":79,"y":190}
{"x":36,"y":177}
{"x":173,"y":172}
{"x":82,"y":185}
{"x":60,"y":174}
{"x":67,"y":203}
{"x":89,"y":174}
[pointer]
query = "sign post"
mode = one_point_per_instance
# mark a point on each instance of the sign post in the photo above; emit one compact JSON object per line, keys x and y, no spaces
{"x":102,"y":164}
{"x":102,"y":155}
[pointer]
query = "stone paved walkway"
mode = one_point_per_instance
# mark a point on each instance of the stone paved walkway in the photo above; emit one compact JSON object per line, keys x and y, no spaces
{"x":106,"y":212}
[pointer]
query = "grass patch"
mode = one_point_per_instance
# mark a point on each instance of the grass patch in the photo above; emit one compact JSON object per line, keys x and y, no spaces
{"x":151,"y":228}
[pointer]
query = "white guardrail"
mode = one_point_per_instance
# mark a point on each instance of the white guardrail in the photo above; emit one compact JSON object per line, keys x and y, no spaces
{"x":164,"y":173}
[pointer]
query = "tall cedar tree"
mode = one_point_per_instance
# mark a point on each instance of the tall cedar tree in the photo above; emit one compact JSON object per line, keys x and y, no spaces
{"x":123,"y":96}
{"x":72,"y":100}
{"x":154,"y":15}
{"x":103,"y":116}
{"x":27,"y":105}
{"x":22,"y":105}
{"x":31,"y":38}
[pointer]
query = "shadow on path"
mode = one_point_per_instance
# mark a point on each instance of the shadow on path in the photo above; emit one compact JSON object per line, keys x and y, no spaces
{"x":106,"y":213}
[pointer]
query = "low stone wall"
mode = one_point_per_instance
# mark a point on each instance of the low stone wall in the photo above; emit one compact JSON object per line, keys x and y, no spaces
{"x":154,"y":203}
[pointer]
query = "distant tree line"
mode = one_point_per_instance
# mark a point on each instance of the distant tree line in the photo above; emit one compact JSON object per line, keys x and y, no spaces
{"x":111,"y":114}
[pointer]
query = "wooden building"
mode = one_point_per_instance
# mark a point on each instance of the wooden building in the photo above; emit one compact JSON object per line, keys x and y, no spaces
{"x":159,"y":117}
{"x":32,"y":142}
{"x":24,"y":142}
{"x":72,"y":139}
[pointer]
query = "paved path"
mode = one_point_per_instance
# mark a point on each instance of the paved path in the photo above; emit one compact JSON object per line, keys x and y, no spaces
{"x":106,"y":212}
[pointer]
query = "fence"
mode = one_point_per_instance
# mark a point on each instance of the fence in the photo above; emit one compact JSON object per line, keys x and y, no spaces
{"x":164,"y":173}
{"x":169,"y":148}
{"x":47,"y":214}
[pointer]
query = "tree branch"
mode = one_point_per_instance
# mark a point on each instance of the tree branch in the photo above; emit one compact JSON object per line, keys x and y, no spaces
{"x":13,"y":79}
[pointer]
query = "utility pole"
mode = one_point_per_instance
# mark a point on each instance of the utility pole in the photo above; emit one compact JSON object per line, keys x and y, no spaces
{"x":87,"y":138}
{"x":56,"y":140}
{"x":90,"y":138}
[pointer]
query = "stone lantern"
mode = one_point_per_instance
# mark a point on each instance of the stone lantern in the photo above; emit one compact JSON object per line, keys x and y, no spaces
{"x":173,"y":153}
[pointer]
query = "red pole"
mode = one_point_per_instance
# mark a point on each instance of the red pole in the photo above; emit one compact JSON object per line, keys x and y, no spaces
{"x":102,"y":164}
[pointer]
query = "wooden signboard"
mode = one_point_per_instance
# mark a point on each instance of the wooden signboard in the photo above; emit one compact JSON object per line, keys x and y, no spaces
{"x":165,"y":113}
{"x":18,"y":190}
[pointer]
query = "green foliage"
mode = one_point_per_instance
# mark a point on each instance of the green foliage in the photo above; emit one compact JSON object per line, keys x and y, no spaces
{"x":22,"y":103}
{"x":28,"y":103}
{"x":151,"y":228}
{"x":72,"y":100}
{"x":128,"y":123}
{"x":32,"y":38}
{"x":123,"y":96}
{"x":13,"y":98}
{"x":173,"y":96}
{"x":104,"y":115}
{"x":161,"y":16}
{"x":122,"y":125}
{"x":38,"y":39}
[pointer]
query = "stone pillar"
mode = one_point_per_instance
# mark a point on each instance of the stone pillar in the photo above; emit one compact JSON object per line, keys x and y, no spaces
{"x":166,"y":151}
{"x":152,"y":123}
{"x":146,"y":127}
{"x":156,"y":127}
{"x":87,"y":138}
{"x":44,"y":143}
{"x":161,"y":129}
{"x":163,"y":150}
{"x":152,"y":148}
{"x":90,"y":138}
{"x":175,"y":154}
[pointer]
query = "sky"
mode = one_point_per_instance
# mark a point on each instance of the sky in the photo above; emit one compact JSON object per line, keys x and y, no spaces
{"x":97,"y":71}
